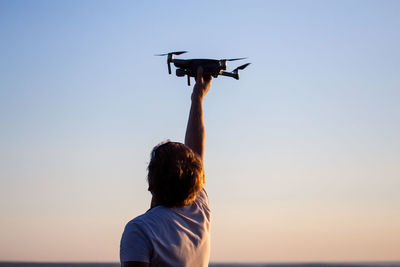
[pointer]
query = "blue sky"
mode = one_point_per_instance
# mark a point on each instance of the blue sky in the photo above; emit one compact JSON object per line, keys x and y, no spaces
{"x":300,"y":151}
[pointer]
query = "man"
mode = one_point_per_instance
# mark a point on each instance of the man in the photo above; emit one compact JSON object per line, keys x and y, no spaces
{"x":176,"y":230}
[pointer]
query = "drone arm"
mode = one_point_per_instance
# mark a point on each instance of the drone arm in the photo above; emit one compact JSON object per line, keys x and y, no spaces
{"x":169,"y":59}
{"x":230,"y":74}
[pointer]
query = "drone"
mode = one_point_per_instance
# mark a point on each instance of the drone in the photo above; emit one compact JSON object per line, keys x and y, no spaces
{"x":213,"y":67}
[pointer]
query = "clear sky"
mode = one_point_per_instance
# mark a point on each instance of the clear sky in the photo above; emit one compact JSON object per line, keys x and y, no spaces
{"x":302,"y":153}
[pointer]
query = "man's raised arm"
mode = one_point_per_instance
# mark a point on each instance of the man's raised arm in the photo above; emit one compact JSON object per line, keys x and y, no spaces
{"x":195,"y":132}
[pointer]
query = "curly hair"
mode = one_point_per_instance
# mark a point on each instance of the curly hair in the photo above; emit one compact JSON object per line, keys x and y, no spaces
{"x":175,"y":174}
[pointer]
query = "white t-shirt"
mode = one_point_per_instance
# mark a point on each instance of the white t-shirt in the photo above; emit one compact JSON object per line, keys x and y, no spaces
{"x":170,"y":236}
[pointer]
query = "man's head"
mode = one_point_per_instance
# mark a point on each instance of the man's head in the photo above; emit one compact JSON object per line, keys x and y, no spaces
{"x":175,"y":174}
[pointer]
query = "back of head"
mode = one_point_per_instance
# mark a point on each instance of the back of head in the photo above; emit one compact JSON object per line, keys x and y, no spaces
{"x":175,"y":174}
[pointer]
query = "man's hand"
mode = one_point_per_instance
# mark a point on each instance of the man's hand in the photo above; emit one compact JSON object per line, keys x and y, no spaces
{"x":195,"y":132}
{"x":203,"y":84}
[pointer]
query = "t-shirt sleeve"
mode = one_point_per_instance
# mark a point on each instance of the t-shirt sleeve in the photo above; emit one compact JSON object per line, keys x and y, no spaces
{"x":135,"y":244}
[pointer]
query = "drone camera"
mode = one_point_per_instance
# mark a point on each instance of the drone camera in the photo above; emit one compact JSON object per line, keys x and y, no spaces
{"x":180,"y":72}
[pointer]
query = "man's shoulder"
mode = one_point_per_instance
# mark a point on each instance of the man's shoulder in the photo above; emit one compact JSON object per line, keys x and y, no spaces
{"x":161,"y":214}
{"x":147,"y":217}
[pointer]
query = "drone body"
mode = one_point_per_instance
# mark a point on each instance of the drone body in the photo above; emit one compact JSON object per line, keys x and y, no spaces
{"x":213,"y":67}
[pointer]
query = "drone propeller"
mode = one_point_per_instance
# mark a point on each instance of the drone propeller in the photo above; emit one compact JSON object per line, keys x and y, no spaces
{"x":172,"y":53}
{"x":241,"y":67}
{"x":170,"y":57}
{"x":233,"y":59}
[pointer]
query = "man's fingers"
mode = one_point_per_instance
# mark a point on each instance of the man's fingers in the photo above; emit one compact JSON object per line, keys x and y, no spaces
{"x":199,"y":74}
{"x":207,"y":77}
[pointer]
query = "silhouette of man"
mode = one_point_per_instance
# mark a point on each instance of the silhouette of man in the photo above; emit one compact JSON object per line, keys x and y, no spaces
{"x":176,"y":230}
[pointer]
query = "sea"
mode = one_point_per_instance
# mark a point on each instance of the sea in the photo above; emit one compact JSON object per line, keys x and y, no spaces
{"x":296,"y":264}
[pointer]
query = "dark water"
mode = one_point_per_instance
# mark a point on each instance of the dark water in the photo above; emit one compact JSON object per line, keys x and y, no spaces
{"x":300,"y":264}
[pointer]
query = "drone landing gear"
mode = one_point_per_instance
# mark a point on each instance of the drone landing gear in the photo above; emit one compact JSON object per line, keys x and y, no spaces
{"x":188,"y":78}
